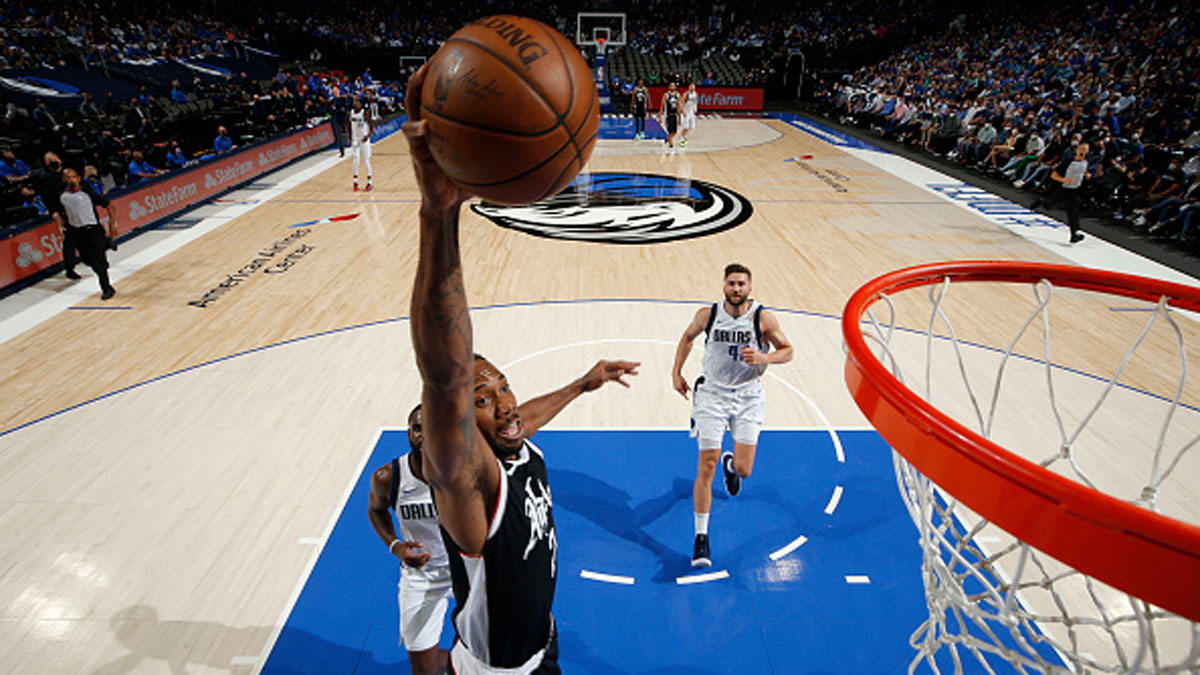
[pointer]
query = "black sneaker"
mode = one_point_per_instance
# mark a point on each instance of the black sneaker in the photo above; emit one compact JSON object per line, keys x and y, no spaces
{"x":1077,"y":237}
{"x":733,"y":482}
{"x":700,"y":552}
{"x":72,"y":274}
{"x":108,"y":293}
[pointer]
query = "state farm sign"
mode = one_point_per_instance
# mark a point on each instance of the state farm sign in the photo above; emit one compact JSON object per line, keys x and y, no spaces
{"x":716,"y":98}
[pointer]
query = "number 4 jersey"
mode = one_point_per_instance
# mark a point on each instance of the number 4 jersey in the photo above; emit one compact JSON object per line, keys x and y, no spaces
{"x":726,"y":335}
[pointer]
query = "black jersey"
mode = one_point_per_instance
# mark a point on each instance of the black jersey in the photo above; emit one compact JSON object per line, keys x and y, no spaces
{"x":639,"y":99}
{"x":503,"y":596}
{"x":671,"y":103}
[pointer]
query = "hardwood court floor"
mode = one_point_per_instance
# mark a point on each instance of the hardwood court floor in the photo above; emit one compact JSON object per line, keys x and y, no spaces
{"x":182,"y":513}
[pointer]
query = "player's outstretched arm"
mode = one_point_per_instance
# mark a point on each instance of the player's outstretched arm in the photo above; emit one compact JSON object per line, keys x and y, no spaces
{"x":694,"y":329}
{"x":458,"y":462}
{"x":537,"y":412}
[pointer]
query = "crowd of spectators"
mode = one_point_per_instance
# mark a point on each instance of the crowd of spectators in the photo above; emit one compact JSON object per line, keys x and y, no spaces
{"x":121,"y":140}
{"x":1014,"y":93}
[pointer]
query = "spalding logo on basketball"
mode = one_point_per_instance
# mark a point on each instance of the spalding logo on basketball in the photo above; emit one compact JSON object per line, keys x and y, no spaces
{"x":626,"y":208}
{"x":511,"y":109}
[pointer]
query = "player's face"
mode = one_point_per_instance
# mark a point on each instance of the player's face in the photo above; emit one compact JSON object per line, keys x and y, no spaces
{"x":415,"y":436}
{"x":496,"y":410}
{"x":737,"y":288}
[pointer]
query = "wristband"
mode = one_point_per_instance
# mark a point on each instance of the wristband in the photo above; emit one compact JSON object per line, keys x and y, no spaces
{"x":393,"y":545}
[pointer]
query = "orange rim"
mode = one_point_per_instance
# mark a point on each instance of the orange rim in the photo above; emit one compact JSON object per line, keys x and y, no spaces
{"x":1145,"y":554}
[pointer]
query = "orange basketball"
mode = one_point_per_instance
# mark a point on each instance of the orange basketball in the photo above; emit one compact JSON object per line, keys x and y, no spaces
{"x":511,"y":109}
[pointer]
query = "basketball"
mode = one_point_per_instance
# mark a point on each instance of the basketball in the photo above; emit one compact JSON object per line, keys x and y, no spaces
{"x":511,"y":109}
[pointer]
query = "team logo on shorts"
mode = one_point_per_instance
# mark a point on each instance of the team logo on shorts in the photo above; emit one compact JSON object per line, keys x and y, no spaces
{"x":626,"y":208}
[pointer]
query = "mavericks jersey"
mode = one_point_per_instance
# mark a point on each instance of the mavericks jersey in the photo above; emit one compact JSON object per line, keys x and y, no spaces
{"x":503,"y":596}
{"x":412,"y":501}
{"x":690,"y":104}
{"x":725,"y":336}
{"x":359,"y":126}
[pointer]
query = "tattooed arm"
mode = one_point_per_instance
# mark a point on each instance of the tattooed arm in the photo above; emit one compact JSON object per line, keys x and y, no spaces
{"x":458,"y":462}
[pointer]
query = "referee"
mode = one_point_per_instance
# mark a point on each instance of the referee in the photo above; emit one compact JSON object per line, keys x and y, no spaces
{"x":79,"y":202}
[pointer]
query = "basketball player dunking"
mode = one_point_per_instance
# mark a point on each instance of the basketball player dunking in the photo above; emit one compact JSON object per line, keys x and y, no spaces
{"x":738,"y":333}
{"x":361,"y":127}
{"x":687,"y":121}
{"x":489,"y":482}
{"x":638,"y":105}
{"x":668,"y":114}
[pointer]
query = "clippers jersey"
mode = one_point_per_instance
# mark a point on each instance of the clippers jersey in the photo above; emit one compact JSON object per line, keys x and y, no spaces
{"x":671,"y":103}
{"x":412,"y":501}
{"x":725,"y":337}
{"x":503,"y":596}
{"x":359,"y":126}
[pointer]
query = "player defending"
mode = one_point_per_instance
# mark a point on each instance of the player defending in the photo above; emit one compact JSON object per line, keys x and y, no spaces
{"x":638,"y":104}
{"x":489,"y":483}
{"x":739,"y":333}
{"x":687,"y":122}
{"x":668,"y":115}
{"x":361,"y":126}
{"x":425,"y":589}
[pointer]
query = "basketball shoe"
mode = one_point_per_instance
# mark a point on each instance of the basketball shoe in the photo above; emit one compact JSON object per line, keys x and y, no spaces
{"x":733,"y":482}
{"x":700,"y":555}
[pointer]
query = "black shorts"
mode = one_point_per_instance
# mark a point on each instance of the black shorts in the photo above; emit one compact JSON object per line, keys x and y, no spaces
{"x":672,"y":123}
{"x":639,"y":111}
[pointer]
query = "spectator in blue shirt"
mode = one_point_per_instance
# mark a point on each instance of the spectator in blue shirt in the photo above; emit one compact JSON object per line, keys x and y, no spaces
{"x":708,"y":80}
{"x":30,"y":197}
{"x":92,"y":177}
{"x":177,"y":94}
{"x":223,"y":143}
{"x":367,"y":80}
{"x":175,"y":158}
{"x":12,"y":169}
{"x":140,"y":169}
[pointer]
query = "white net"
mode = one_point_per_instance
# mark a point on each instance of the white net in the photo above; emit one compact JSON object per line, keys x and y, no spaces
{"x":996,"y":604}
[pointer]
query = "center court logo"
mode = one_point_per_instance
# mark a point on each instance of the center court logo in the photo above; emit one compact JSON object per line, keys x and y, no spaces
{"x":626,"y":208}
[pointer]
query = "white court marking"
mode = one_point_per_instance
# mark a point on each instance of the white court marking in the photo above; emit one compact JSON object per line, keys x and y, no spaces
{"x":607,"y":578}
{"x":858,"y":579}
{"x":833,"y":500}
{"x":795,"y":544}
{"x":701,"y":578}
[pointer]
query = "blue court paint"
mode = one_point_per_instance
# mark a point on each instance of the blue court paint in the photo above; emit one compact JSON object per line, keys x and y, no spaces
{"x":621,"y":128}
{"x":831,"y":136}
{"x":623,"y":506}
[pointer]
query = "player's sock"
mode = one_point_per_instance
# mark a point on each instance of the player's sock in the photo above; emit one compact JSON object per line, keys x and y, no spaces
{"x":701,"y":521}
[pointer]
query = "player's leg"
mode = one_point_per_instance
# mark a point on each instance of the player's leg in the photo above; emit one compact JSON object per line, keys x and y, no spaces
{"x":354,"y":162}
{"x":706,"y":468}
{"x":422,"y":611}
{"x":366,"y":152}
{"x":745,"y":425}
{"x":708,"y":427}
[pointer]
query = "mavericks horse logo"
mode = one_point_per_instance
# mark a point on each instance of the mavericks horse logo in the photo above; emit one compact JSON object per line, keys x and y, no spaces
{"x":626,"y":208}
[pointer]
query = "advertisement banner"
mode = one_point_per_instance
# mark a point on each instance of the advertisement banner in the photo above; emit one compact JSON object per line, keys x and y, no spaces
{"x":40,"y":247}
{"x":716,"y":98}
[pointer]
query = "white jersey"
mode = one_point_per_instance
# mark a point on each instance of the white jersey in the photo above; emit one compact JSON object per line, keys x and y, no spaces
{"x":417,"y":515}
{"x":726,"y":336}
{"x":359,"y":126}
{"x":691,"y":104}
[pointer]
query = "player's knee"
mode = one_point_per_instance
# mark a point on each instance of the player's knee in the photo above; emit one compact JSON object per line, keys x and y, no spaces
{"x":706,"y":469}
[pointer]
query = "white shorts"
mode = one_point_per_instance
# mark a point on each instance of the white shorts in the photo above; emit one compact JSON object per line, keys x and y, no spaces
{"x":687,"y":122}
{"x":741,"y":410}
{"x":422,"y":611}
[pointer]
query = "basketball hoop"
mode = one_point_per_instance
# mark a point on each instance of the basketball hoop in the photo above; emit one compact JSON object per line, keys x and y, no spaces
{"x":1016,"y":554}
{"x":601,"y":44}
